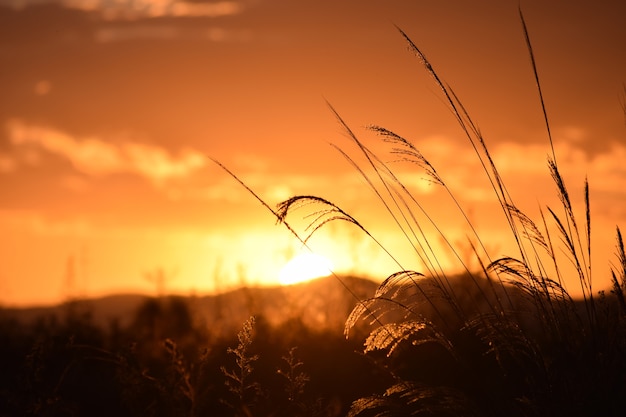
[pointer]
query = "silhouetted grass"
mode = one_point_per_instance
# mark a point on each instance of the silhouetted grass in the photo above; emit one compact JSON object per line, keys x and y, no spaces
{"x":508,"y":339}
{"x":164,"y":363}
{"x":503,"y":339}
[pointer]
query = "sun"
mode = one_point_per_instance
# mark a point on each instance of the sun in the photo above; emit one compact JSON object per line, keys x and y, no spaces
{"x":305,"y":267}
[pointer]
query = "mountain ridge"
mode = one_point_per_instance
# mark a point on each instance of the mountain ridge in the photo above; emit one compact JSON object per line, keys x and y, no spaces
{"x":319,"y":303}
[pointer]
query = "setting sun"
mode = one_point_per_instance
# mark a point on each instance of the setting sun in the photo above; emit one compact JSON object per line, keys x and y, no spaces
{"x":305,"y":267}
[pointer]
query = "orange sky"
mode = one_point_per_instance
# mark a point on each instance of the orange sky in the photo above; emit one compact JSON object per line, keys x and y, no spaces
{"x":109,"y":110}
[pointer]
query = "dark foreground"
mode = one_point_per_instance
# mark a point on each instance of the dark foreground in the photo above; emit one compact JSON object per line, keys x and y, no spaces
{"x":282,"y":352}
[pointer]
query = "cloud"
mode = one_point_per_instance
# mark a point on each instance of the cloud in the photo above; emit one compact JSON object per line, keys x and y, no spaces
{"x":117,"y":34}
{"x":137,"y":9}
{"x":523,"y":167}
{"x":42,"y":87}
{"x":168,"y":32}
{"x":95,"y":156}
{"x":528,"y":163}
{"x":270,"y":186}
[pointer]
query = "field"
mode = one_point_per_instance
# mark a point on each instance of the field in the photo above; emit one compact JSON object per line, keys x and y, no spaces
{"x":505,"y":337}
{"x":136,"y":355}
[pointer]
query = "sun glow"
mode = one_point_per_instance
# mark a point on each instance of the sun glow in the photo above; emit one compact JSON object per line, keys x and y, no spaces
{"x":305,"y":267}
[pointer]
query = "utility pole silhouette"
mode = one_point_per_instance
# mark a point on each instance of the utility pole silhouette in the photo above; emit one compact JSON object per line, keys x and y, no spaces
{"x":69,"y":288}
{"x":159,"y":278}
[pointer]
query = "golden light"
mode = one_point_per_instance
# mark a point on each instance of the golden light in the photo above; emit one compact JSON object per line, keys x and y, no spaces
{"x":305,"y":267}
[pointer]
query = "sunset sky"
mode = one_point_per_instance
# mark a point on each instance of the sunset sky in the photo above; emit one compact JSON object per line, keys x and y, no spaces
{"x":111,"y":110}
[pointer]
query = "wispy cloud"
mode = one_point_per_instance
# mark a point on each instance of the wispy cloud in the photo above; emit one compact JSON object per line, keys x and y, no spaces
{"x":95,"y":156}
{"x":270,"y":186}
{"x":139,"y":9}
{"x":109,"y":34}
{"x":136,"y":9}
{"x":523,"y":167}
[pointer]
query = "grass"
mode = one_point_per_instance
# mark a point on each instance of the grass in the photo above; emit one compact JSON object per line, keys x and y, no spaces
{"x":70,"y":366}
{"x":506,"y":339}
{"x":503,"y":338}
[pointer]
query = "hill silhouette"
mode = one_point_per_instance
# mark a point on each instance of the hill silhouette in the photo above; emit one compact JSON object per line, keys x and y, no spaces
{"x":323,"y":303}
{"x":131,"y":354}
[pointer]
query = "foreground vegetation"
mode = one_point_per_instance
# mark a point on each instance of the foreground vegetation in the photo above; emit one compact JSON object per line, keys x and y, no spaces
{"x":165,"y":362}
{"x":508,"y":339}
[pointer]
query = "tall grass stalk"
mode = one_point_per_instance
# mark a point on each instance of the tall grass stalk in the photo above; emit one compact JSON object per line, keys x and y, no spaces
{"x":506,"y":339}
